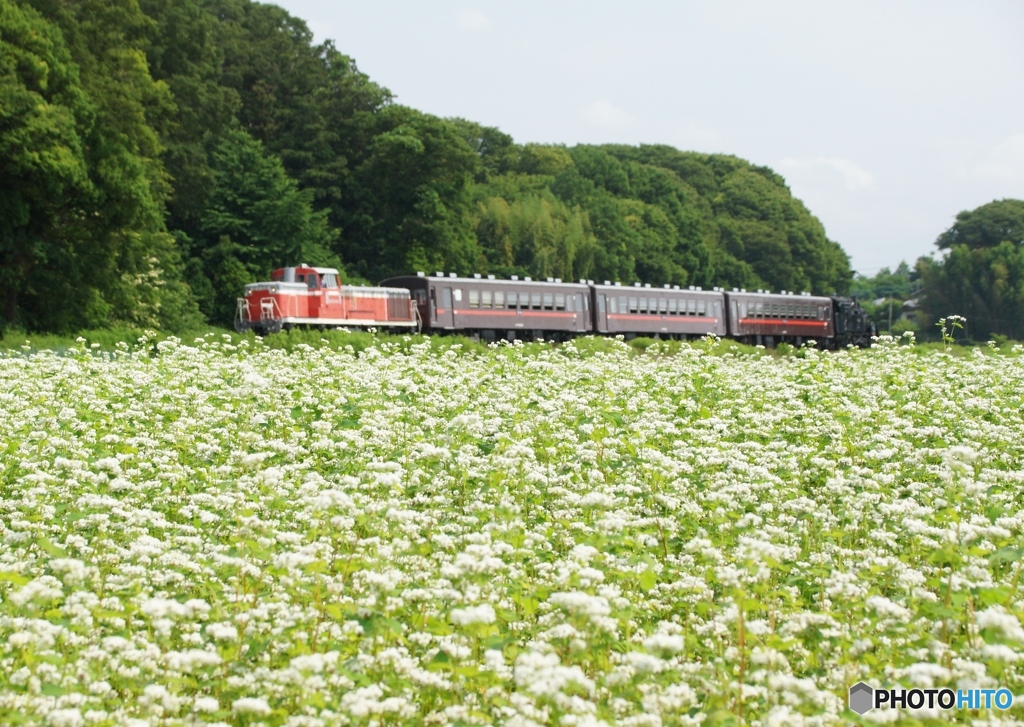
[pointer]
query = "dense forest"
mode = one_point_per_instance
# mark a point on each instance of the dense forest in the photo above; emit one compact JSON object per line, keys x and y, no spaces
{"x":156,"y":155}
{"x":978,"y":274}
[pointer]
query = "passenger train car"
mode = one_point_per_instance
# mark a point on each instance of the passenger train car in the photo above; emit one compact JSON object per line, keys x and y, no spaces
{"x":492,"y":309}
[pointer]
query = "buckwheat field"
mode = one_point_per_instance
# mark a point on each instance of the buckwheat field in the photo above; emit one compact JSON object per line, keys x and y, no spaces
{"x":208,"y":533}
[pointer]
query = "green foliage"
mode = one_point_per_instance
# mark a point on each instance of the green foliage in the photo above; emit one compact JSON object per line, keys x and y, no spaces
{"x":892,"y":288}
{"x":987,"y":226}
{"x":983,"y":284}
{"x":255,"y":217}
{"x":148,"y":142}
{"x":85,"y":242}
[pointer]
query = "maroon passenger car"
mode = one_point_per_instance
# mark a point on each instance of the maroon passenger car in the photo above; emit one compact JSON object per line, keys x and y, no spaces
{"x":771,"y":318}
{"x":492,"y":309}
{"x":666,"y":312}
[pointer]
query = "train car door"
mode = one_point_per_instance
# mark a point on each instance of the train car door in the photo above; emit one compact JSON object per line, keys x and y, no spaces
{"x":331,"y":306}
{"x":314,"y":299}
{"x":443,"y":314}
{"x":601,"y":311}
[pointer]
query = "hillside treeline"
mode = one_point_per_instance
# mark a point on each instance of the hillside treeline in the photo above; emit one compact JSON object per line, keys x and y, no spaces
{"x":156,"y":155}
{"x":980,"y":272}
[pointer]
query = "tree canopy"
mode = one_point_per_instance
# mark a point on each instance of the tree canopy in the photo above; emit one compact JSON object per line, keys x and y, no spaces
{"x":155,"y":155}
{"x":981,"y":275}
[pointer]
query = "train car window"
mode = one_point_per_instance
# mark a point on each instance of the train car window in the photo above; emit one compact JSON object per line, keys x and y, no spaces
{"x":458,"y":295}
{"x":673,"y":306}
{"x":612,"y":308}
{"x":474,"y":299}
{"x":821,"y":313}
{"x":499,"y":299}
{"x":548,"y":300}
{"x":446,"y":298}
{"x":662,"y":305}
{"x":511,"y":299}
{"x":701,"y":310}
{"x":582,"y":299}
{"x":622,"y":304}
{"x":792,"y":310}
{"x":632,"y":305}
{"x":570,"y":302}
{"x":559,"y":301}
{"x":691,"y":307}
{"x":643,"y":305}
{"x":828,"y":313}
{"x":535,"y":301}
{"x":485,"y":299}
{"x":312,"y":281}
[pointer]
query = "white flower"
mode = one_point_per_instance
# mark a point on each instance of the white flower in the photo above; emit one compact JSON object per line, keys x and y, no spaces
{"x":482,"y":614}
{"x":251,"y":705}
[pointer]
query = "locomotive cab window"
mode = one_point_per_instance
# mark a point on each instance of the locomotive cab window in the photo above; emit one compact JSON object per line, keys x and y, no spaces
{"x":312,"y":281}
{"x":330,"y":280}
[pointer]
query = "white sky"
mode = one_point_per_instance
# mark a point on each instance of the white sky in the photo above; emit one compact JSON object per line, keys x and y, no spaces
{"x":886,"y":118}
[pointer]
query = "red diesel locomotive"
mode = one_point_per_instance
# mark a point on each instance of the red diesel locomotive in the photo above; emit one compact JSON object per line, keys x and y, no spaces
{"x":314,"y":297}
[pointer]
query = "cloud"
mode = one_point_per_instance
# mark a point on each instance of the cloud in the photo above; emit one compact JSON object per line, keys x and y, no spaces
{"x":1004,"y":162}
{"x":473,"y":20}
{"x":606,"y":116}
{"x":824,"y":169}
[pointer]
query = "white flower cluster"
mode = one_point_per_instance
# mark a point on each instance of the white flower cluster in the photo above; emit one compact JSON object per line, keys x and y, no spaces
{"x":231,"y":535}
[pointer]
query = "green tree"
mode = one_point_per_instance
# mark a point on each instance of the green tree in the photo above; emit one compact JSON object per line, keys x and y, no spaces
{"x":101,"y":252}
{"x":410,"y":205}
{"x":987,"y":226}
{"x":981,"y":275}
{"x":42,"y":161}
{"x":256,"y":220}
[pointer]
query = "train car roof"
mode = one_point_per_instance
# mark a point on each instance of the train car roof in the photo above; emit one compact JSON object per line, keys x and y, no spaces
{"x":779,"y":296}
{"x":651,"y":289}
{"x":488,"y":281}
